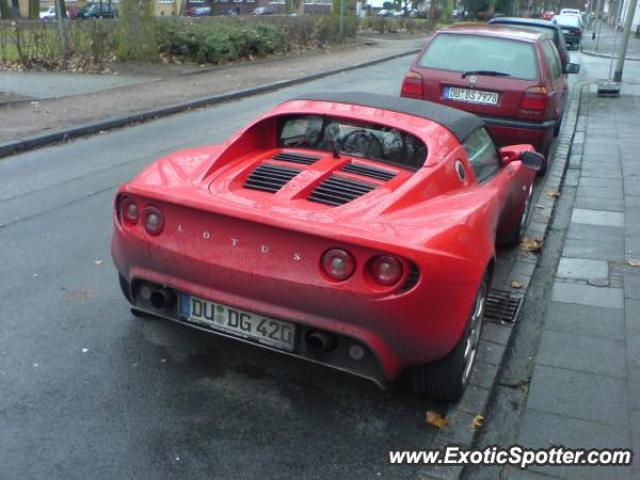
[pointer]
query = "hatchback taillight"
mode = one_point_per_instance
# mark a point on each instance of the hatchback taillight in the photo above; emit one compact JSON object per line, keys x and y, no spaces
{"x":153,"y":220}
{"x":385,"y":269}
{"x":338,"y":264}
{"x":412,"y":85}
{"x":534,"y":101}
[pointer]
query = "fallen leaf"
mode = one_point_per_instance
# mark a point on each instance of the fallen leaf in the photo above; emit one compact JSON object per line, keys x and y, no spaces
{"x":435,"y":419}
{"x":532,"y":245}
{"x":634,"y":262}
{"x":477,"y":423}
{"x":98,"y":262}
{"x":553,"y":194}
{"x":516,"y":284}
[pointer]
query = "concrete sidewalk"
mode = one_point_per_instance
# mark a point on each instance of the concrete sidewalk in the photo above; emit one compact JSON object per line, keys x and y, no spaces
{"x":603,"y":45}
{"x":585,"y":390}
{"x":30,"y":119}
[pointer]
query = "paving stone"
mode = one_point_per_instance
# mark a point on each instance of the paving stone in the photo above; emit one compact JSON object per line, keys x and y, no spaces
{"x":582,"y":268}
{"x":543,"y":430}
{"x":611,"y":248}
{"x":581,"y":395}
{"x":632,"y":285}
{"x":597,"y":217}
{"x":483,"y":375}
{"x":633,"y":348}
{"x":601,"y":172}
{"x":519,"y":474}
{"x":586,"y":320}
{"x":632,"y":201}
{"x":587,"y":295}
{"x":600,"y":192}
{"x":632,"y":314}
{"x":490,"y":353}
{"x":612,"y":204}
{"x":634,"y":396}
{"x":601,"y":182}
{"x":593,"y":232}
{"x":593,"y":354}
{"x":474,"y":400}
{"x":632,"y":246}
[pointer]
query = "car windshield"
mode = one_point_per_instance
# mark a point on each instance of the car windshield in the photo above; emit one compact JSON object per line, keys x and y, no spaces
{"x":567,"y":20}
{"x":366,"y":140}
{"x":469,"y":53}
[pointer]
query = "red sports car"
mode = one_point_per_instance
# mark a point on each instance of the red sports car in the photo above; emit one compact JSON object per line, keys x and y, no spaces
{"x":353,"y":230}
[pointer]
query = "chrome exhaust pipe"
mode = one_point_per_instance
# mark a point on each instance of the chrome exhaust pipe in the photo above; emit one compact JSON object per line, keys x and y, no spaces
{"x":320,"y":342}
{"x":162,"y":298}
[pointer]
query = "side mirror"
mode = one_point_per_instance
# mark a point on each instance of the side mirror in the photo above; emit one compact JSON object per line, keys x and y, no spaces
{"x":507,"y":155}
{"x":532,"y":160}
{"x":571,"y":68}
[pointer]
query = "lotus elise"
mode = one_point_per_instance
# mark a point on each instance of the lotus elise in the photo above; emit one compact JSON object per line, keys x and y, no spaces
{"x":353,"y":230}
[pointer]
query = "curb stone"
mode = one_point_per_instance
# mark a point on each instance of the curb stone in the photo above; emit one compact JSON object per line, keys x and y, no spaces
{"x":496,"y":336}
{"x":605,"y":55}
{"x":13,"y":147}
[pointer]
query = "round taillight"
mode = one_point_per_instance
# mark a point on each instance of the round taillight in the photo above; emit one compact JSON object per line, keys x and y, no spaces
{"x":130,"y":211}
{"x":338,"y":264}
{"x":385,"y":269}
{"x":153,"y":220}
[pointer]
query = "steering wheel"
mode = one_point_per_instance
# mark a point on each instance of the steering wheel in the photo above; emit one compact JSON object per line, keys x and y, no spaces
{"x":363,"y":142}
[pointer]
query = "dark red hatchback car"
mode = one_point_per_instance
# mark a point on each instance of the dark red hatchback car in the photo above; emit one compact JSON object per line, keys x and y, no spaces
{"x":511,"y":78}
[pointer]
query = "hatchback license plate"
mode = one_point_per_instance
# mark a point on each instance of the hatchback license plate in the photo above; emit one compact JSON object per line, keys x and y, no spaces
{"x":471,"y":96}
{"x":239,"y":323}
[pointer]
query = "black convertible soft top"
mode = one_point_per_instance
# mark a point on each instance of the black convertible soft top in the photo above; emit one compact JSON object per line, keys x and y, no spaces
{"x":460,"y":123}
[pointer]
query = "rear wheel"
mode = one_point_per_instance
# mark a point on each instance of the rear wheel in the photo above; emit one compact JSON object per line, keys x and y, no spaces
{"x":446,"y":379}
{"x":518,"y":232}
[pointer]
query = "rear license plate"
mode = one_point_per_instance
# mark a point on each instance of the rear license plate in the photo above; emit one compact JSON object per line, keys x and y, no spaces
{"x":239,"y":323}
{"x":566,"y":31}
{"x":471,"y":96}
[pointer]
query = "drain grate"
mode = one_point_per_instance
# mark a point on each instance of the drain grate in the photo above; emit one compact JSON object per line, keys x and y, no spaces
{"x":501,"y":306}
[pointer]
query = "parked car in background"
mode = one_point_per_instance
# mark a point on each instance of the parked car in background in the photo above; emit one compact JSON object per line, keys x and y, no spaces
{"x":190,"y":6}
{"x":543,"y":26}
{"x":352,"y":230}
{"x":570,"y":11}
{"x":98,"y":10}
{"x":201,"y":12}
{"x":512,"y":78}
{"x":265,"y":10}
{"x":48,"y":13}
{"x":548,"y":15}
{"x":571,"y":26}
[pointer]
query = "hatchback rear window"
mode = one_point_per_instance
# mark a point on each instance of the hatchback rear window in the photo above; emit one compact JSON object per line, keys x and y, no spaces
{"x":469,"y":53}
{"x":548,"y":31}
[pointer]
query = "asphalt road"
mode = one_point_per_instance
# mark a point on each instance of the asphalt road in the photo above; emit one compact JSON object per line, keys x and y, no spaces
{"x":90,"y":392}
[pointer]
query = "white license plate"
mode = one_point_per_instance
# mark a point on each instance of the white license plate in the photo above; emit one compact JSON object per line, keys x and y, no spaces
{"x":239,"y":323}
{"x":470,"y":95}
{"x":566,"y":31}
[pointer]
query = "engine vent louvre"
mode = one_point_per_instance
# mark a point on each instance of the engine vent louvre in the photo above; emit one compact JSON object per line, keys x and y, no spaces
{"x":337,"y":190}
{"x":377,"y":173}
{"x":296,"y":158}
{"x":270,"y":178}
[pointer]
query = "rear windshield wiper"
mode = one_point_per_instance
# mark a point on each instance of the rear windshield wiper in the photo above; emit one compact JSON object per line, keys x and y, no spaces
{"x":489,"y":73}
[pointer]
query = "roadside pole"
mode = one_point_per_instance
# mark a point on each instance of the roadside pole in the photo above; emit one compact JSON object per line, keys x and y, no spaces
{"x":341,"y":19}
{"x":598,"y":27}
{"x":622,"y":48}
{"x":61,"y":33}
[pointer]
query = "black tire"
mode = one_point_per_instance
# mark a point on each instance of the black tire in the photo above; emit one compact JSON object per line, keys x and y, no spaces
{"x":518,"y":232}
{"x":446,"y":379}
{"x":556,"y":129}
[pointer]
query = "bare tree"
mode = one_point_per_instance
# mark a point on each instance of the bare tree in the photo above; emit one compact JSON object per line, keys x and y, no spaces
{"x":4,"y":9}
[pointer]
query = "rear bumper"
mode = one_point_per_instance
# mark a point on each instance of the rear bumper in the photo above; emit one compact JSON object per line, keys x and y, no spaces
{"x":397,"y":331}
{"x":511,"y":132}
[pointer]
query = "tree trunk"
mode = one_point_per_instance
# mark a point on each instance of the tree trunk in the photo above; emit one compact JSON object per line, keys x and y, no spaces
{"x":34,"y":9}
{"x":4,"y":9}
